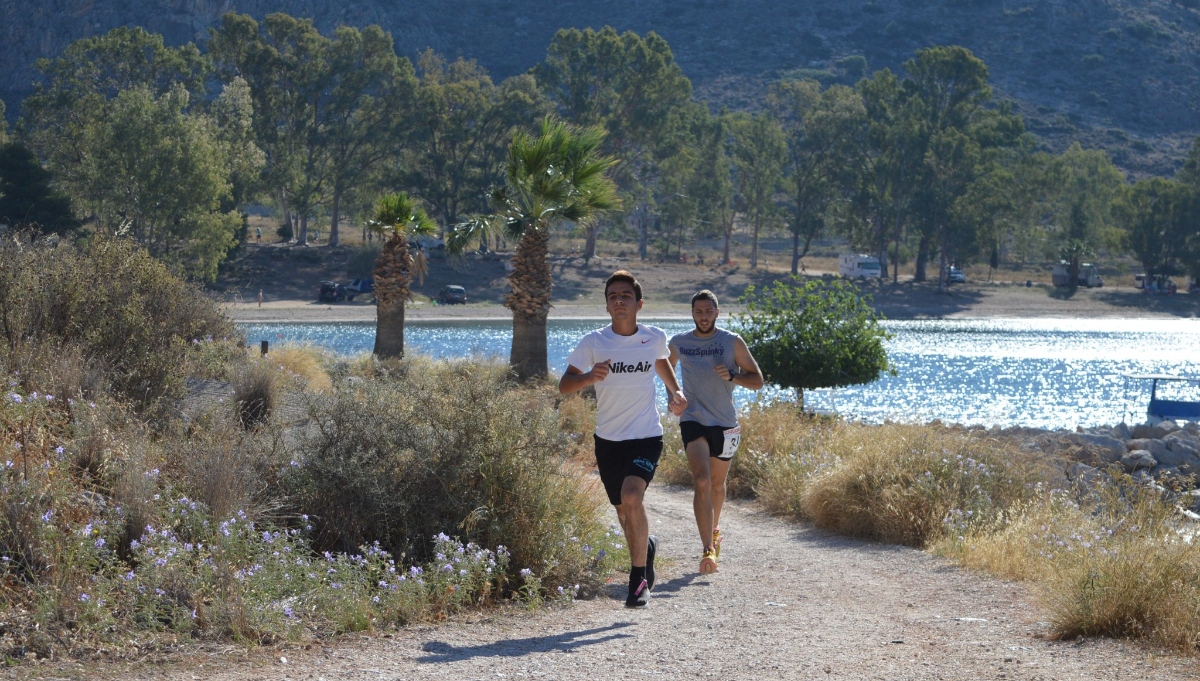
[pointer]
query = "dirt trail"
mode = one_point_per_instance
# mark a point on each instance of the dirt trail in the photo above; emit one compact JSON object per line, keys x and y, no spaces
{"x":790,"y":602}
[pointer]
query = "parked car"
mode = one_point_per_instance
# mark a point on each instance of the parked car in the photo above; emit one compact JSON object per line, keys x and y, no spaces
{"x":357,"y":286}
{"x":450,"y":295}
{"x":955,"y":276}
{"x":429,"y":243}
{"x":331,"y":292}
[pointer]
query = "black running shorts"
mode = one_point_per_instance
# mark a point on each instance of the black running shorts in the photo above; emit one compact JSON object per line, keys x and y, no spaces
{"x":715,"y":435}
{"x":619,"y":459}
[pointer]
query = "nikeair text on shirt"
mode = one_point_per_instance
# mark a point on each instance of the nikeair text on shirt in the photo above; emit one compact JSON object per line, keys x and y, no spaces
{"x":623,"y":368}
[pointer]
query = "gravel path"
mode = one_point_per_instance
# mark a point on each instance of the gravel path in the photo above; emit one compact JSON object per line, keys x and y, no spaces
{"x":790,"y":602}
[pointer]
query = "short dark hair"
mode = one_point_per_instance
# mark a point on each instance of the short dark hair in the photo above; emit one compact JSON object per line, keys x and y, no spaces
{"x":625,"y":276}
{"x":705,"y":294}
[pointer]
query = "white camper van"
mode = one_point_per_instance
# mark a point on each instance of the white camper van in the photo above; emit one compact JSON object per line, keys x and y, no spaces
{"x":1089,"y":275}
{"x":859,"y":266}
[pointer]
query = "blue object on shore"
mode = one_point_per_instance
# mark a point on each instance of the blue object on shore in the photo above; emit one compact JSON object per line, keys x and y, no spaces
{"x":1169,"y":410}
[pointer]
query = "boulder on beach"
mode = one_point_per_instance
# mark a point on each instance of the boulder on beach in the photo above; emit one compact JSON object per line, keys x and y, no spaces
{"x":1121,"y":431}
{"x":1157,"y":448}
{"x":1100,"y":447}
{"x":1186,"y":459}
{"x":1156,"y":431}
{"x":1138,"y":459}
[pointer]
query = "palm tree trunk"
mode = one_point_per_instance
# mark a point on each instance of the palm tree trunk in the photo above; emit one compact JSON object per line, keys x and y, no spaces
{"x":392,"y":276}
{"x":530,"y":285}
{"x":589,"y":244}
{"x":389,"y":330}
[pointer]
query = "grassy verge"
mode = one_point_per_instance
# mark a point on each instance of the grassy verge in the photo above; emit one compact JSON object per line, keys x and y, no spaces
{"x":311,"y":496}
{"x":1111,"y":559}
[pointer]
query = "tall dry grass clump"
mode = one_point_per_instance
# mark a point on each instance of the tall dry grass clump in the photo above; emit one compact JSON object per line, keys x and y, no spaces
{"x":305,"y":364}
{"x":1114,"y":560}
{"x":901,"y":483}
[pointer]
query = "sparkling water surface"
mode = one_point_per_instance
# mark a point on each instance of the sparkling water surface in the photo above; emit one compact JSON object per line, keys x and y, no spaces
{"x":1047,"y":373}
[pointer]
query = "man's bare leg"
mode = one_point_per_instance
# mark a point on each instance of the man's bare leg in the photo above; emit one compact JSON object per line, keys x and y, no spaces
{"x":702,"y":495}
{"x":632,"y":515}
{"x":720,"y":471}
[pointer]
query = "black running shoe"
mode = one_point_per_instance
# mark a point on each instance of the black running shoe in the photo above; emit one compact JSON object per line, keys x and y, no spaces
{"x":639,"y":597}
{"x":651,"y":549}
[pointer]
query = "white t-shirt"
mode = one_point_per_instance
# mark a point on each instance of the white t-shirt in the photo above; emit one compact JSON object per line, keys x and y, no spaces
{"x":625,"y":403}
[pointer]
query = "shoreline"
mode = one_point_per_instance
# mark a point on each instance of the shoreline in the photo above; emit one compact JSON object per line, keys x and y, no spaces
{"x":307,"y":312}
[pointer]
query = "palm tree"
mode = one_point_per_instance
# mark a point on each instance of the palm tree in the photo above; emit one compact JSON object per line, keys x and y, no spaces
{"x":558,"y":176}
{"x":399,"y":217}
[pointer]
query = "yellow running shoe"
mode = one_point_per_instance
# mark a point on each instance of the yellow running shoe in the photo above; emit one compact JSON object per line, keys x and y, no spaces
{"x":716,"y":543}
{"x":708,"y":562}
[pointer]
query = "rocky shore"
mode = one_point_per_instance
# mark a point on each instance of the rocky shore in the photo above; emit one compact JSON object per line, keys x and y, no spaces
{"x":1164,"y":454}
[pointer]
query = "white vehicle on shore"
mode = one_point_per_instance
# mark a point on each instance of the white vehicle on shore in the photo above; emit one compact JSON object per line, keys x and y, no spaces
{"x":857,"y":266}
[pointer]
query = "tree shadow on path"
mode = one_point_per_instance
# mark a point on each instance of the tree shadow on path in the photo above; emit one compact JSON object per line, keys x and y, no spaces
{"x":516,"y":647}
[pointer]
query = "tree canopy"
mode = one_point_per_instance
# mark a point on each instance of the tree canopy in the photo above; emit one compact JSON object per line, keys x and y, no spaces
{"x":814,"y":334}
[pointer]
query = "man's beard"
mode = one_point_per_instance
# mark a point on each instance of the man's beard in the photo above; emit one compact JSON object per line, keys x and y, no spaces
{"x":704,"y":330}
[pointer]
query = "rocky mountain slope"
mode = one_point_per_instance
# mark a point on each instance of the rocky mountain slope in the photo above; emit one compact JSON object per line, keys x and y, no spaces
{"x":1120,"y":74}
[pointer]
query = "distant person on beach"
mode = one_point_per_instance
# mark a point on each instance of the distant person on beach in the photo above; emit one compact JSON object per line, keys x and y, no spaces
{"x":712,"y":361}
{"x":258,"y":234}
{"x":621,"y":361}
{"x":260,"y":297}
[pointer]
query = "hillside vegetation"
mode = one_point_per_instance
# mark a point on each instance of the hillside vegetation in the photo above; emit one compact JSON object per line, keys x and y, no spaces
{"x":1113,"y":74}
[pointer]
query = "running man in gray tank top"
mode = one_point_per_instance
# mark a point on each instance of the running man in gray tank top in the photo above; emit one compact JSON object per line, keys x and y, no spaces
{"x":712,"y":362}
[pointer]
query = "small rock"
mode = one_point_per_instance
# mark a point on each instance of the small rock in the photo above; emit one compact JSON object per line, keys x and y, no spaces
{"x":1192,"y":427}
{"x":1107,"y":449}
{"x":1121,"y":431}
{"x":1182,"y":457}
{"x":1137,"y":460}
{"x":1167,"y":474}
{"x":1157,"y":448}
{"x":1168,"y":427}
{"x":1152,"y":431}
{"x":1182,"y":435}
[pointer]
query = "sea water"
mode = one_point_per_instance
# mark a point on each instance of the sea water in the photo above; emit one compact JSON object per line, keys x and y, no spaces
{"x":1047,"y":373}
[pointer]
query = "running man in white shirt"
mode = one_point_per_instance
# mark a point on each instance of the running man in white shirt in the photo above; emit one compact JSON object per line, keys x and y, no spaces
{"x":621,"y":360}
{"x":711,"y":362}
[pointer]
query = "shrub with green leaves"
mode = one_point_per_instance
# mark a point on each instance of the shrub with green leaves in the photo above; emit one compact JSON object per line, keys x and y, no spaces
{"x":450,"y":447}
{"x":110,"y":303}
{"x":813,"y":335}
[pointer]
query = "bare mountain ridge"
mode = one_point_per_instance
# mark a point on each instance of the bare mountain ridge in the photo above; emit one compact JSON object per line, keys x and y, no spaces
{"x":1121,"y":75}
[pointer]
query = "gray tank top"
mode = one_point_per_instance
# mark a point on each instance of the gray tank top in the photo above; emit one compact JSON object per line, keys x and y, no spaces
{"x":710,"y":398}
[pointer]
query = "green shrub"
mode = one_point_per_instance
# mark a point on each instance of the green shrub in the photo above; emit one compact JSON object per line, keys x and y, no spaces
{"x":450,"y":447}
{"x":815,"y":334}
{"x":111,"y":305}
{"x":1142,"y":30}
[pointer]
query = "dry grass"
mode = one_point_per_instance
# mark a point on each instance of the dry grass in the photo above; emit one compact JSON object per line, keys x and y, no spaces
{"x":1117,"y":563}
{"x":1115,"y":559}
{"x":256,"y":390}
{"x":304,"y":363}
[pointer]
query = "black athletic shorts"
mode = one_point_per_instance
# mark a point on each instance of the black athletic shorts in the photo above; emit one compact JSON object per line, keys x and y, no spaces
{"x":692,"y":430}
{"x":619,"y":459}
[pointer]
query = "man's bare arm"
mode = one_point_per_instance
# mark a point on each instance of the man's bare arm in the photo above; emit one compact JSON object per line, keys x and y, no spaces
{"x":574,"y":380}
{"x":750,"y":376}
{"x":677,"y":401}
